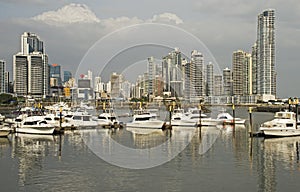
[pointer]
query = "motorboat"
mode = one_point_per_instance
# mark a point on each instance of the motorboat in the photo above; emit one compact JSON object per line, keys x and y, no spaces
{"x":107,"y":119}
{"x":58,"y":122}
{"x":283,"y":125}
{"x":81,"y":119}
{"x":4,"y":130}
{"x":180,"y":119}
{"x":2,"y":117}
{"x":194,"y":115}
{"x":226,"y":119}
{"x":35,"y":125}
{"x":144,"y":119}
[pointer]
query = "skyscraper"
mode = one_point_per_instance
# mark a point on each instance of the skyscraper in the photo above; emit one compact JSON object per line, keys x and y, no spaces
{"x":197,"y":74}
{"x":172,"y":73}
{"x":30,"y":68}
{"x":3,"y":77}
{"x":227,"y":78}
{"x":55,"y":73}
{"x":67,"y":76}
{"x":266,"y":82}
{"x":210,"y":79}
{"x":238,"y":61}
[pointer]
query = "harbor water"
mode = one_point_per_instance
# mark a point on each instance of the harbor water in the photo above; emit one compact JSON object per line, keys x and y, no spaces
{"x":215,"y":159}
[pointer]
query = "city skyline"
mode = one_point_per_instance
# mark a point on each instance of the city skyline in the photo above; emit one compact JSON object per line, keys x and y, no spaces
{"x":239,"y":27}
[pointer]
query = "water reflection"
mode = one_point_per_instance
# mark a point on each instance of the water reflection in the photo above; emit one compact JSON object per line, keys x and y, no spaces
{"x":286,"y":150}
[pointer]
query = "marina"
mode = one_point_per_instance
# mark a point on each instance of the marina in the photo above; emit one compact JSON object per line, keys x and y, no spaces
{"x":218,"y":158}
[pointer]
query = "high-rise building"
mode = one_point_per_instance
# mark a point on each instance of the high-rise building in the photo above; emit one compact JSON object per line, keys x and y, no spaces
{"x":30,"y":68}
{"x":210,"y":79}
{"x":2,"y":76}
{"x":152,"y":73}
{"x":30,"y":43}
{"x":173,"y":74}
{"x":67,"y":76}
{"x":266,"y":82}
{"x":116,"y":81}
{"x":238,"y":69}
{"x":197,"y":74}
{"x":254,"y":69}
{"x":55,"y":73}
{"x":247,"y":81}
{"x":227,"y":79}
{"x":218,"y":85}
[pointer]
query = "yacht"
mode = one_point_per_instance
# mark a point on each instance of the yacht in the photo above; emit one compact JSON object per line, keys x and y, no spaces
{"x":2,"y":117}
{"x":107,"y":119}
{"x":283,"y":125}
{"x":81,"y":119}
{"x":226,"y":119}
{"x":181,"y":120}
{"x":144,"y":119}
{"x":194,"y":114}
{"x":4,"y":130}
{"x":55,"y":121}
{"x":35,"y":125}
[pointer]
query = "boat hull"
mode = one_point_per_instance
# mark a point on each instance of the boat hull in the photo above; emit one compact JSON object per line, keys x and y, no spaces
{"x":279,"y":132}
{"x":183,"y":123}
{"x":36,"y":130}
{"x":146,"y":124}
{"x":4,"y":133}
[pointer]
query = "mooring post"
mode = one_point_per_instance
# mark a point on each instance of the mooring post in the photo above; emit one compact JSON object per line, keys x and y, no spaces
{"x":60,"y":117}
{"x":200,"y":114}
{"x":250,"y":119}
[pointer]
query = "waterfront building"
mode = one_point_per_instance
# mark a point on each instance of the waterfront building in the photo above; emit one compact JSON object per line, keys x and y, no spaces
{"x":31,"y":73}
{"x":151,"y":70}
{"x":266,"y":81}
{"x":3,"y":77}
{"x":227,"y":78}
{"x":210,"y":79}
{"x":55,"y":75}
{"x":254,"y":69}
{"x":172,"y":73}
{"x":197,"y":75}
{"x":116,"y":81}
{"x":84,"y":90}
{"x":247,"y":81}
{"x":67,"y":76}
{"x":218,"y":85}
{"x":238,"y":66}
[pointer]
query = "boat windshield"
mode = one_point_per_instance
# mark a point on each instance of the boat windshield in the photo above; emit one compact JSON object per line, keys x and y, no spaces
{"x":142,"y":118}
{"x":284,"y":115}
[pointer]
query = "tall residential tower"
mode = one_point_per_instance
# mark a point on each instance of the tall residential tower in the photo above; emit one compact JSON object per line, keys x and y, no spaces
{"x":266,"y":75}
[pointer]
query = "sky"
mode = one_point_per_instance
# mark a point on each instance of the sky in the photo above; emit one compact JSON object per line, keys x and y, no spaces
{"x":112,"y":35}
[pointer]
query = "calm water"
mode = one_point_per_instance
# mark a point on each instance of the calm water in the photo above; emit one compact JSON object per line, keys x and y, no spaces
{"x":234,"y":162}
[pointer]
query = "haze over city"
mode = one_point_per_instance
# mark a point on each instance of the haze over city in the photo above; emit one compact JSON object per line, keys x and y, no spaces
{"x":70,"y":30}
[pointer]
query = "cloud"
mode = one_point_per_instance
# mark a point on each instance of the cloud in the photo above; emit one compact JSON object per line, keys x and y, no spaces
{"x":72,"y":13}
{"x":166,"y":18}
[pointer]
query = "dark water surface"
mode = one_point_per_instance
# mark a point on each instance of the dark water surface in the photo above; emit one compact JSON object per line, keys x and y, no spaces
{"x":234,"y":162}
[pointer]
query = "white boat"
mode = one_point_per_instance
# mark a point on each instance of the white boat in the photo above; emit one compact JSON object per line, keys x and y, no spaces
{"x":194,"y":114}
{"x":81,"y":119}
{"x":4,"y":131}
{"x":225,"y":118}
{"x":107,"y":118}
{"x":283,"y":125}
{"x":35,"y":125}
{"x":143,"y":119}
{"x":55,"y":121}
{"x":2,"y":117}
{"x":180,"y":119}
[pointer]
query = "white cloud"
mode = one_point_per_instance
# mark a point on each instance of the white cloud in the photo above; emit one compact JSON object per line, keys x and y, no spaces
{"x":81,"y":13}
{"x":167,"y":17}
{"x":72,"y":13}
